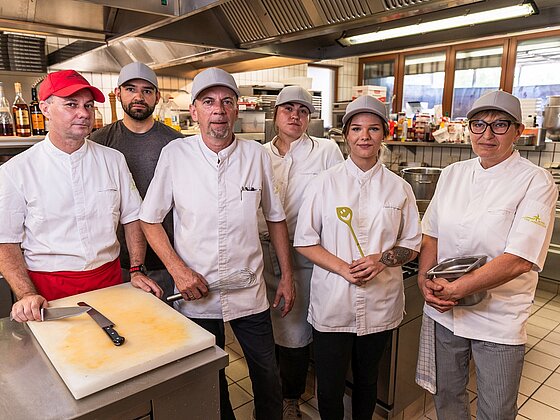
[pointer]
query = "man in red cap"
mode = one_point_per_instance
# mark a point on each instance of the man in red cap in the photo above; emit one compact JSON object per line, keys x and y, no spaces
{"x":61,"y":201}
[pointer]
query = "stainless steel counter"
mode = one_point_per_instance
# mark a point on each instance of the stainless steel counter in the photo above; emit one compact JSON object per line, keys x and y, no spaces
{"x":31,"y":387}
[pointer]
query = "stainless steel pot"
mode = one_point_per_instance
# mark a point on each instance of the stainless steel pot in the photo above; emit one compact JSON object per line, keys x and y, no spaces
{"x":422,"y":180}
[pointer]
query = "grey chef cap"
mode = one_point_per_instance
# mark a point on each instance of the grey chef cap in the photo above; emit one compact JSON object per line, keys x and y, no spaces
{"x":367,"y":104}
{"x":500,"y":101}
{"x":212,"y":77}
{"x":137,"y":70}
{"x":295,"y":94}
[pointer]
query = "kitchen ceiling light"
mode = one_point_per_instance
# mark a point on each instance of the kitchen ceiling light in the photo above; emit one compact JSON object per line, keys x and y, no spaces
{"x":468,"y":19}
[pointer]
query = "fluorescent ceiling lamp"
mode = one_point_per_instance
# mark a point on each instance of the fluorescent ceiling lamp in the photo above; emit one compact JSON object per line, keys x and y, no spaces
{"x":470,"y":19}
{"x":431,"y":58}
{"x":479,"y":53}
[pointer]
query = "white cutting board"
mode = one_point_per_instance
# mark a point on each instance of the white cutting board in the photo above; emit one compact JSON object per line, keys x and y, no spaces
{"x":86,"y":358}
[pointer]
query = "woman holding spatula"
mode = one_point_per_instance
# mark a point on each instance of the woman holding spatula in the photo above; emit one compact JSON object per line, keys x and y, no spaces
{"x":358,"y":224}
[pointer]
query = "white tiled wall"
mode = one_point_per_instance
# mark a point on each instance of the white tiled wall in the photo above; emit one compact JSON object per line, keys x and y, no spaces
{"x":280,"y":74}
{"x":107,"y":82}
{"x":347,"y":77}
{"x":443,"y":156}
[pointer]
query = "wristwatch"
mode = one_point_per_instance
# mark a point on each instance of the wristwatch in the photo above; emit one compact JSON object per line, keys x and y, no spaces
{"x":138,"y":268}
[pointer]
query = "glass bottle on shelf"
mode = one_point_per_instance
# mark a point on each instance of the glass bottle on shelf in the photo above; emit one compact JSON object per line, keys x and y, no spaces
{"x":20,"y":110}
{"x":98,"y":122}
{"x":174,"y":113}
{"x":6,"y":120}
{"x":163,"y":114}
{"x":37,"y":118}
{"x":401,"y":126}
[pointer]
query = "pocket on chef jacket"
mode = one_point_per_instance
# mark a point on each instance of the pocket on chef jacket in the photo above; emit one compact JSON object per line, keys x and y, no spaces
{"x":498,"y":221}
{"x":391,"y":216}
{"x":250,"y":201}
{"x":108,"y":201}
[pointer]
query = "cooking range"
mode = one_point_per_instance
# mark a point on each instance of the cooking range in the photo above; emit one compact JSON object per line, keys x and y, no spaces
{"x":396,"y":387}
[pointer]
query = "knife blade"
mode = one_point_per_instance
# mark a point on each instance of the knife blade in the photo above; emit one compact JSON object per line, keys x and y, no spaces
{"x":105,"y":324}
{"x":50,"y":314}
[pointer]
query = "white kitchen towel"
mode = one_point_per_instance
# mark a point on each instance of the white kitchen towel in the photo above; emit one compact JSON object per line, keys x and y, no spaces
{"x":426,"y":366}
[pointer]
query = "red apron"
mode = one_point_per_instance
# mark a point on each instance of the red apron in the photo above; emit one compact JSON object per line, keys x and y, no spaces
{"x":58,"y":284}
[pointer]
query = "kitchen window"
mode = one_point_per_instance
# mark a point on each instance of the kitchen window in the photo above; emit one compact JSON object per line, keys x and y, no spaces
{"x":381,"y":73}
{"x":424,"y":77}
{"x":455,"y":75}
{"x":536,"y":69}
{"x":477,"y":72}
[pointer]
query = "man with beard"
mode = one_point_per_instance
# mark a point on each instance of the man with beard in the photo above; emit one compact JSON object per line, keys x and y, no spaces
{"x":140,"y":139}
{"x":215,"y":184}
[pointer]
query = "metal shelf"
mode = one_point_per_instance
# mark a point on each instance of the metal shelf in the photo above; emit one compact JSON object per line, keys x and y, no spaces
{"x":414,"y":144}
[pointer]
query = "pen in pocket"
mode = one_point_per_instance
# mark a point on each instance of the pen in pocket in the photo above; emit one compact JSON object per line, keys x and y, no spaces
{"x":248,"y":189}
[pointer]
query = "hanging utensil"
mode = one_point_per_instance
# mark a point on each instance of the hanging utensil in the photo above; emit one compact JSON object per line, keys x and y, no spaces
{"x":239,"y":279}
{"x":345,"y":215}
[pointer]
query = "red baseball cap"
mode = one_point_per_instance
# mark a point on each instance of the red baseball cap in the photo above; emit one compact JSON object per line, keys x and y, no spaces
{"x":65,"y":83}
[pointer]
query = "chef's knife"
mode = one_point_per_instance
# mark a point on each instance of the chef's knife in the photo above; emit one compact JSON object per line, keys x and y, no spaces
{"x":105,"y":324}
{"x":50,"y":314}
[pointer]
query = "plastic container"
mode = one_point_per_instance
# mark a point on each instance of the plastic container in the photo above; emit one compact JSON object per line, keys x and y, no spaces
{"x":169,"y":114}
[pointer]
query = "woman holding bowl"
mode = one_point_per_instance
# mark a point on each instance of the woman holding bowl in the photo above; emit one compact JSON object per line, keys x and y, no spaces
{"x":296,"y":159}
{"x":502,"y":206}
{"x":358,"y":224}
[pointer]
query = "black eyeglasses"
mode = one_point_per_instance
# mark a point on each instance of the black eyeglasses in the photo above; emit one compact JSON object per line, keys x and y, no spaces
{"x":497,"y":127}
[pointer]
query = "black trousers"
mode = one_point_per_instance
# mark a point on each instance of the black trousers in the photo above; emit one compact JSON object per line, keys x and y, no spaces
{"x":293,"y":363}
{"x":334,"y":353}
{"x":254,"y":333}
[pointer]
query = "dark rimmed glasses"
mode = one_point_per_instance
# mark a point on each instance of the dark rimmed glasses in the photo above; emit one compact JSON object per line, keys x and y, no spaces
{"x":497,"y":127}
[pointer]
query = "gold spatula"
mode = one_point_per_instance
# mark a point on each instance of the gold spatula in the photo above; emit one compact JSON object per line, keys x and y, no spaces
{"x":345,"y":215}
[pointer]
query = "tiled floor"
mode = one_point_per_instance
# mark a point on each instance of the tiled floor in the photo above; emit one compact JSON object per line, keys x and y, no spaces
{"x":240,"y":391}
{"x":539,"y":394}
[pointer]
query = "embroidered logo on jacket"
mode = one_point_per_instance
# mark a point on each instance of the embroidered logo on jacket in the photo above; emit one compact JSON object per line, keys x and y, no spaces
{"x":536,"y":220}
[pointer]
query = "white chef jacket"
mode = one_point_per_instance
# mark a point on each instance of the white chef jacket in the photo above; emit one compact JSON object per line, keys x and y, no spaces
{"x":292,"y":172}
{"x":215,"y":197}
{"x":508,"y":208}
{"x":64,"y":208}
{"x":384,"y":216}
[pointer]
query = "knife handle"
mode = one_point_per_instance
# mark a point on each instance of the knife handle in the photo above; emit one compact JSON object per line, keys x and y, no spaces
{"x":114,"y":335}
{"x":173,"y":298}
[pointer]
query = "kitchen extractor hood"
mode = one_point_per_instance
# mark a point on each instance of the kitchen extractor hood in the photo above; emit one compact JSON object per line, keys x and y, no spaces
{"x":184,"y":36}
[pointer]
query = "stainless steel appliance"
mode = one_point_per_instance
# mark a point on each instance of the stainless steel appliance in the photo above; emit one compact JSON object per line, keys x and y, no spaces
{"x":551,"y":269}
{"x":551,"y":122}
{"x":551,"y":119}
{"x":316,"y":128}
{"x":422,"y":180}
{"x":338,"y":111}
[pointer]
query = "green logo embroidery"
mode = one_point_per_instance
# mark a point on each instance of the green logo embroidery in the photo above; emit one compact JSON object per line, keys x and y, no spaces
{"x":535,"y":219}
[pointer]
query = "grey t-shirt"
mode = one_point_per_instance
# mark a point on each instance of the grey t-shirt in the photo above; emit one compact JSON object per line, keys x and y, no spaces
{"x":142,"y":153}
